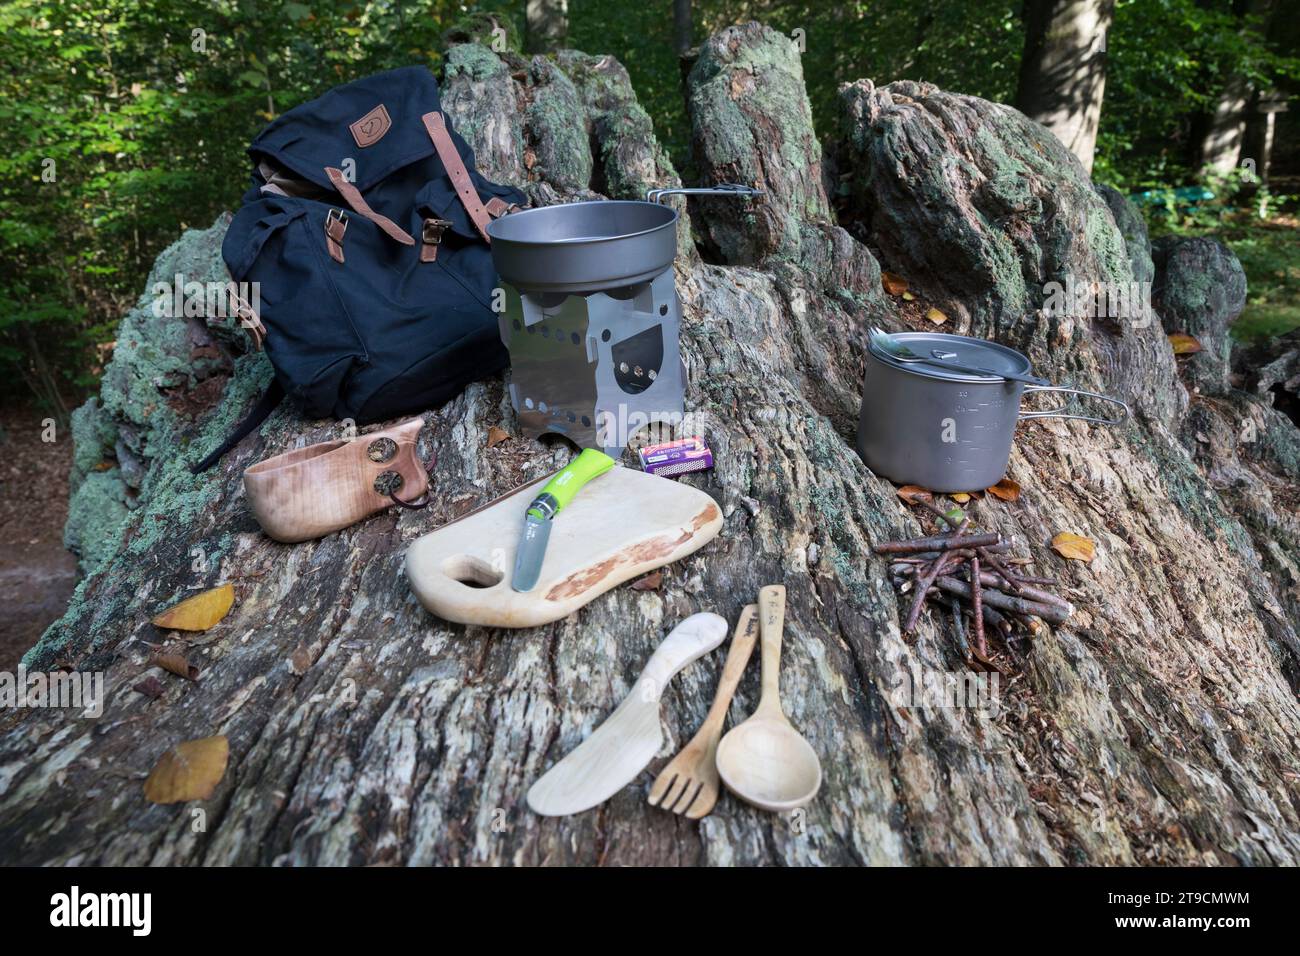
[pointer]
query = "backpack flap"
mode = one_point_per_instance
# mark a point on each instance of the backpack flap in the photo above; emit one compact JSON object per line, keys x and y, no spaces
{"x":368,"y":128}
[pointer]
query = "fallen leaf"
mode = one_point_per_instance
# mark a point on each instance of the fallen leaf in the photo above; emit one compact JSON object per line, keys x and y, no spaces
{"x":150,"y":686}
{"x":189,"y":771}
{"x":1076,"y":546}
{"x":1184,"y":344}
{"x":199,"y":612}
{"x":177,"y":664}
{"x":955,"y":516}
{"x":908,"y":297}
{"x":960,"y":497}
{"x":935,"y":316}
{"x":496,"y":436}
{"x":981,"y":662}
{"x":1006,"y":489}
{"x":651,"y":582}
{"x":893,"y":284}
{"x":910,"y":493}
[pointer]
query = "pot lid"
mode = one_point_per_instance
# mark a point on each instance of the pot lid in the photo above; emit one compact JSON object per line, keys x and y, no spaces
{"x":958,"y":349}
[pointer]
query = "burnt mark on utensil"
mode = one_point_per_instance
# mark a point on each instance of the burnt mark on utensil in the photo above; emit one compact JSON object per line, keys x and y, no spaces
{"x":656,"y":549}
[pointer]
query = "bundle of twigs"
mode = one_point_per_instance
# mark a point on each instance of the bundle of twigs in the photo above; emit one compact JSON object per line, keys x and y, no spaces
{"x":963,"y":567}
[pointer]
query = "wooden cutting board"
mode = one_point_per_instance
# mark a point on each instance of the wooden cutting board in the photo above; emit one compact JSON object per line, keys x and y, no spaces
{"x":621,"y":525}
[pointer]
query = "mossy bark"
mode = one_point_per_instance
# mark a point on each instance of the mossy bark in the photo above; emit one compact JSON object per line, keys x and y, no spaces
{"x":1158,"y":725}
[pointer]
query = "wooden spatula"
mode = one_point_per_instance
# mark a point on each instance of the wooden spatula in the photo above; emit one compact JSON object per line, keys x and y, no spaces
{"x":689,"y":784}
{"x":623,"y":745}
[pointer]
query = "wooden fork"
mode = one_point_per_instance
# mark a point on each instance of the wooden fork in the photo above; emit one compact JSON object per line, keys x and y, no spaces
{"x":689,"y":784}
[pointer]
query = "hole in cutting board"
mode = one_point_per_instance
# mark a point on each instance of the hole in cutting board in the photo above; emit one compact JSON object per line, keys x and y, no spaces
{"x":471,"y":571}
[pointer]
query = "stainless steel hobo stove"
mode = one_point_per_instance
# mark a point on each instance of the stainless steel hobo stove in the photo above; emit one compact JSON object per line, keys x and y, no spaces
{"x":592,"y":320}
{"x":595,"y":367}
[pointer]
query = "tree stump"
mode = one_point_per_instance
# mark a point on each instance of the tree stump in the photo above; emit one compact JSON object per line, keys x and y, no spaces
{"x":1158,"y":725}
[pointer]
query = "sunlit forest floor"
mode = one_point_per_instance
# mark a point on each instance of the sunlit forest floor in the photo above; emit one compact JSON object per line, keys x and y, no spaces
{"x":36,"y":575}
{"x":1270,"y":253}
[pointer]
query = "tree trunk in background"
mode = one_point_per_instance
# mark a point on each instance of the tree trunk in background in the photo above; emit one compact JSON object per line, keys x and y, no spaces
{"x":1221,"y":145}
{"x":1261,"y":119}
{"x":1158,"y":725}
{"x":1225,"y":127}
{"x":546,"y":25}
{"x":1063,"y":70}
{"x":683,"y":26}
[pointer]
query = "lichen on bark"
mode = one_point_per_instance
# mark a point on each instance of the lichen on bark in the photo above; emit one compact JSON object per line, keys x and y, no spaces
{"x":1157,"y":725}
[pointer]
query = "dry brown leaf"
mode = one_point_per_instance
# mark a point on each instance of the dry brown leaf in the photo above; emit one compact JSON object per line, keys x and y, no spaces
{"x":910,"y":493}
{"x":935,"y":316}
{"x":177,"y":664}
{"x":981,"y":662}
{"x":1076,"y":546}
{"x":651,"y":582}
{"x":1006,"y":489}
{"x":1184,"y":344}
{"x":199,"y":612}
{"x":150,"y":686}
{"x":189,"y":771}
{"x":496,"y":436}
{"x":893,"y":284}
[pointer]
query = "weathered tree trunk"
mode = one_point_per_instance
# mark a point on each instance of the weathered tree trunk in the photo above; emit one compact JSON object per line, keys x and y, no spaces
{"x":1063,"y":69}
{"x":683,"y":26}
{"x":1158,"y":725}
{"x":546,"y":23}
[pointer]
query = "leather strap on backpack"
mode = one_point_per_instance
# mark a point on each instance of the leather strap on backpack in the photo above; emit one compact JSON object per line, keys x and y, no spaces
{"x":336,"y":227}
{"x":352,"y":196}
{"x":436,"y":127}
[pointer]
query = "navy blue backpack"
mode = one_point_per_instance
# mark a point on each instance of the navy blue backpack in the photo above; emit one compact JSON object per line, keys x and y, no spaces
{"x":366,"y":232}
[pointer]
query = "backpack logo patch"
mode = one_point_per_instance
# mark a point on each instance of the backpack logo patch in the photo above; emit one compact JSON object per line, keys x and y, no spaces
{"x":371,"y":128}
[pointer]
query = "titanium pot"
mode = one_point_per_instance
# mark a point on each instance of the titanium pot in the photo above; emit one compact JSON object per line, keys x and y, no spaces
{"x":946,"y":430}
{"x":592,"y":246}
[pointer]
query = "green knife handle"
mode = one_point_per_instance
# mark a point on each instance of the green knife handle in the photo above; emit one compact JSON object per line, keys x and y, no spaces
{"x":590,"y":464}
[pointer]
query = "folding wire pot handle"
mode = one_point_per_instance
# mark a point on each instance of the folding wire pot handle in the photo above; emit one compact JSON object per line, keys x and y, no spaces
{"x":1057,"y":412}
{"x":727,"y":189}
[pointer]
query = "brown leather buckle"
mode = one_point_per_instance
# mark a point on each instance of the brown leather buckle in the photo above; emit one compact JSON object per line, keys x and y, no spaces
{"x":433,"y":230}
{"x":336,"y":224}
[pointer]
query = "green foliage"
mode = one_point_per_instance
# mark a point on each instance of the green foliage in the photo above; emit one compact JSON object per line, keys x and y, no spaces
{"x":1167,"y":64}
{"x":1250,"y":218}
{"x":125,"y":121}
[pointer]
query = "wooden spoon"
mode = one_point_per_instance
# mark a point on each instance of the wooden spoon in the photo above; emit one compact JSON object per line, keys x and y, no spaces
{"x":765,"y":761}
{"x":689,"y":784}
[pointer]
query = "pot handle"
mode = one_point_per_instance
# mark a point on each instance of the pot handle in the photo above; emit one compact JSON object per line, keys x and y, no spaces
{"x":1057,"y":413}
{"x":727,"y":189}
